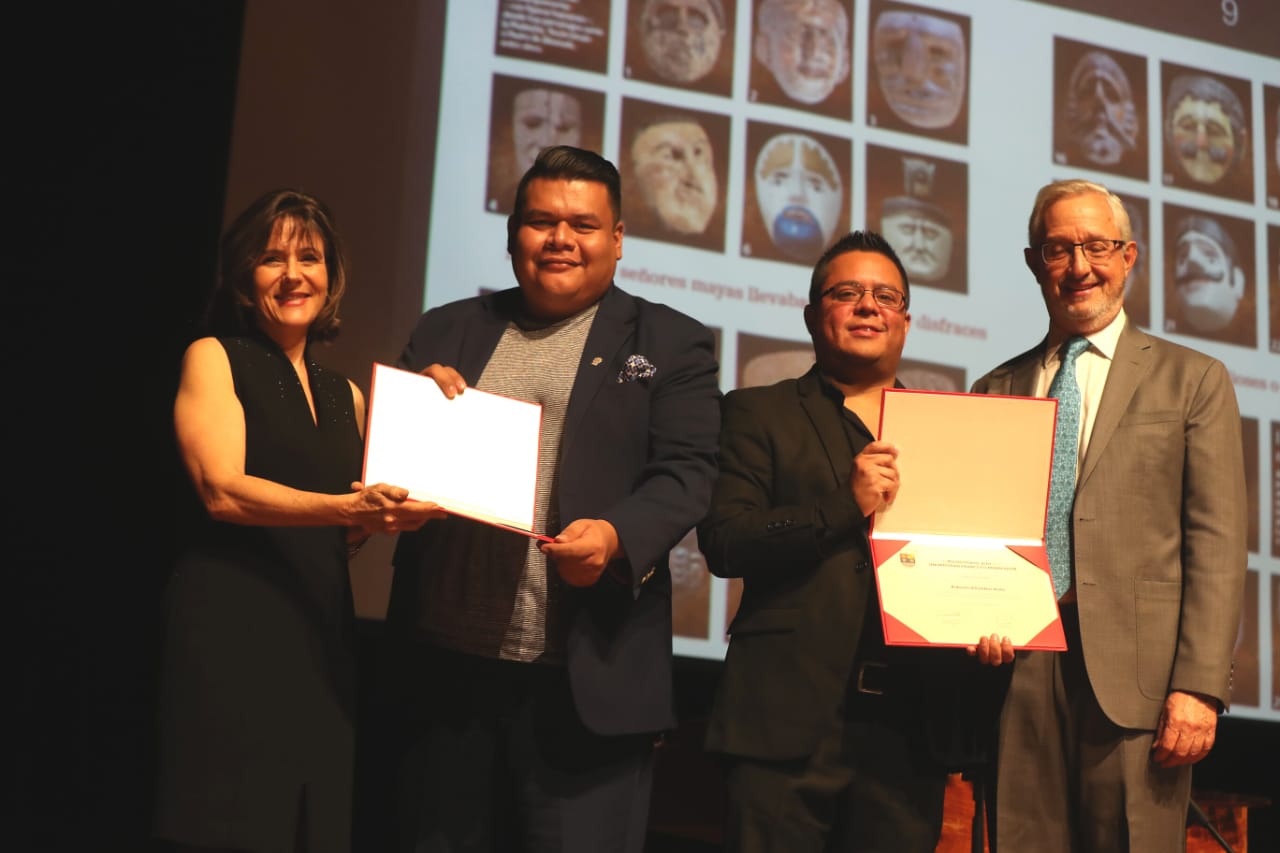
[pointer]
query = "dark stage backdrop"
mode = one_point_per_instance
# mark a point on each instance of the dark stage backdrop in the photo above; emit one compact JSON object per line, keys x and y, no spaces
{"x":119,"y":127}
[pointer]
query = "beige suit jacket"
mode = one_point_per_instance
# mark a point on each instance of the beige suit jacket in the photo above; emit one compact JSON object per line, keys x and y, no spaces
{"x":1159,"y":525}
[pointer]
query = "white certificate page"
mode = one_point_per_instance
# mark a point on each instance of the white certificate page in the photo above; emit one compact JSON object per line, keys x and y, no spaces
{"x":952,"y":595}
{"x":475,"y":455}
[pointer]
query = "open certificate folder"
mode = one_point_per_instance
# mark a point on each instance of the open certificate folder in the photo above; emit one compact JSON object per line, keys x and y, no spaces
{"x":475,"y":455}
{"x":961,"y":554}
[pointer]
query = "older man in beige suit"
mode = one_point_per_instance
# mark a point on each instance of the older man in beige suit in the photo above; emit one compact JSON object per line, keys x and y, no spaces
{"x":1097,"y":743}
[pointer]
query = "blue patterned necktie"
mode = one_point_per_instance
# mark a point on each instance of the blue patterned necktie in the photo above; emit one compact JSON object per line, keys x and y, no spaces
{"x":1062,"y":482}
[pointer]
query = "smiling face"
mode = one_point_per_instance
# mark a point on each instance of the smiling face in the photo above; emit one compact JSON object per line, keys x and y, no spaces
{"x":1209,"y":284}
{"x":804,"y":43}
{"x":921,"y":63}
{"x":1082,"y":296}
{"x":290,"y":281}
{"x":675,"y":174}
{"x":855,"y":341}
{"x":565,"y":246}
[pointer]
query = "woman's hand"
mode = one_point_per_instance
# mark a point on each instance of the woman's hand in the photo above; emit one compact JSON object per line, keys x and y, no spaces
{"x":383,"y":508}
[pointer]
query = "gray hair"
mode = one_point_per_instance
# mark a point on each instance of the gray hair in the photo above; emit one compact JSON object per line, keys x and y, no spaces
{"x":1054,"y":192}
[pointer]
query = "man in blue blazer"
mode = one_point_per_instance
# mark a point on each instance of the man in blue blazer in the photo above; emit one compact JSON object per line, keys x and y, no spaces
{"x":544,"y":668}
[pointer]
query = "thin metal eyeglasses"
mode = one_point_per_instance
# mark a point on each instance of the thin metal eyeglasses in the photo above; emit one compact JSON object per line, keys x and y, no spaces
{"x":1095,"y":251}
{"x":885,"y":297}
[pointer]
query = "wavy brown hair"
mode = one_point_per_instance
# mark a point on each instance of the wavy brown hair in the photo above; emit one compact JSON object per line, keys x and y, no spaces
{"x":231,"y":307}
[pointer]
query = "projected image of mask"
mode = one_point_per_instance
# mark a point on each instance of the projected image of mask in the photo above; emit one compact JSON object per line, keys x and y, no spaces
{"x":1101,"y":116}
{"x":1137,"y":224}
{"x":1209,"y":283}
{"x":1203,"y":139}
{"x":921,"y":237}
{"x":770,"y":367}
{"x":540,"y":118}
{"x":920,"y":60}
{"x":1273,"y":296}
{"x":1137,"y":285}
{"x":1277,"y":154}
{"x":919,"y":231}
{"x":927,"y":379}
{"x":688,"y":566}
{"x":674,"y":166}
{"x":800,"y":194}
{"x":682,"y":38}
{"x":690,"y":589}
{"x":1205,"y":127}
{"x":804,"y":43}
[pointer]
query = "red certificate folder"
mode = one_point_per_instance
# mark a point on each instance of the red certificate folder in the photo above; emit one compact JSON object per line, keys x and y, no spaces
{"x":475,"y":455}
{"x":960,"y":553}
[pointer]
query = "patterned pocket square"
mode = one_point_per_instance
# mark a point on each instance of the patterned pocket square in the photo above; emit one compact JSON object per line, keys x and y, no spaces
{"x":636,"y":367}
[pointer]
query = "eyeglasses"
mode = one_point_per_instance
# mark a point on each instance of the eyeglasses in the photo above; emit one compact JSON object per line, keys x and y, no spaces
{"x":885,"y":297}
{"x":1095,"y":251}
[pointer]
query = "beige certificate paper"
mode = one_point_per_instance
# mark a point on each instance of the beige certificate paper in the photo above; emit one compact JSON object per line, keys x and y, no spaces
{"x":475,"y":455}
{"x":960,"y":553}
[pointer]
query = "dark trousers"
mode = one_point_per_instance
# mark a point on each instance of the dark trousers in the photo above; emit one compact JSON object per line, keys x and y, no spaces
{"x":498,"y":761}
{"x":870,"y":785}
{"x":1070,"y":780}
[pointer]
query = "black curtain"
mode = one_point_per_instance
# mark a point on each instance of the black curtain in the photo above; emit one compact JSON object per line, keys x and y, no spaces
{"x":122,"y":124}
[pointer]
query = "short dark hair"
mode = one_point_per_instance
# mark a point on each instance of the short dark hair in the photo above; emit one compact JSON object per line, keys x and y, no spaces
{"x":857,"y":241}
{"x":912,"y":204}
{"x":1212,"y":229}
{"x":564,"y":162}
{"x":232,"y":304}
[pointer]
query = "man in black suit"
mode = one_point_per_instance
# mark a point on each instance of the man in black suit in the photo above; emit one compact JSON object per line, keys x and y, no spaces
{"x":543,"y":670}
{"x":832,"y":740}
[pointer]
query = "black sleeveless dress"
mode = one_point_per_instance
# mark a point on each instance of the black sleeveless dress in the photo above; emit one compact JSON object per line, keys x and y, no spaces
{"x":256,"y":700}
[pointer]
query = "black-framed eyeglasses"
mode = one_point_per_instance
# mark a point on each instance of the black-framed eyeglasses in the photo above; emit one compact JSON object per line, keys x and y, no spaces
{"x":1096,"y":251}
{"x":885,"y":297}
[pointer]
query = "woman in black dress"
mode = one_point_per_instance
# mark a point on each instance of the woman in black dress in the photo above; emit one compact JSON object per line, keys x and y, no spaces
{"x":256,"y":695}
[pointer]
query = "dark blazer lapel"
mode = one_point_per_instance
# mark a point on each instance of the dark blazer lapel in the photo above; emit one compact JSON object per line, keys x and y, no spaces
{"x":825,"y":418}
{"x":1131,"y":363}
{"x":1017,"y":376}
{"x":480,"y":338}
{"x":612,"y":328}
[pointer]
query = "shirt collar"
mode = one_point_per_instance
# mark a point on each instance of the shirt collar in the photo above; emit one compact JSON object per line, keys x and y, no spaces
{"x":1104,"y":341}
